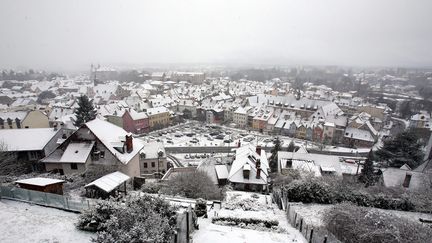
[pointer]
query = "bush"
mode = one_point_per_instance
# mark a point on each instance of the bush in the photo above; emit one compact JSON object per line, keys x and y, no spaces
{"x":325,"y":191}
{"x":356,"y":224}
{"x":151,"y":187}
{"x":247,"y":221}
{"x":93,"y":219}
{"x":195,"y":184}
{"x":201,"y":207}
{"x":287,"y":178}
{"x":309,"y":191}
{"x":143,"y":219}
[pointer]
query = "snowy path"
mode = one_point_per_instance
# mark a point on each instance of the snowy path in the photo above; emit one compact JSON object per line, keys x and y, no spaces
{"x":23,"y":222}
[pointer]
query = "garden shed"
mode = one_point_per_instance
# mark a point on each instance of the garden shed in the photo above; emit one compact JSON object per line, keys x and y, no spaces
{"x":42,"y":185}
{"x":108,"y":185}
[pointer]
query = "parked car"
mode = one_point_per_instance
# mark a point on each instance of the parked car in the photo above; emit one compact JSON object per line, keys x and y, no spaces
{"x":220,"y":137}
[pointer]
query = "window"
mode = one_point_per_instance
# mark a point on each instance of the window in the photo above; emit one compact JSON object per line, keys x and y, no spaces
{"x":153,"y":164}
{"x":102,"y":154}
{"x":145,"y":165}
{"x":74,"y":166}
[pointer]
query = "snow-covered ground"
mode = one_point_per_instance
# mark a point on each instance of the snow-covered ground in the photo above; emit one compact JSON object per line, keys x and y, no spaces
{"x":23,"y":222}
{"x":314,"y":213}
{"x":212,"y":233}
{"x":262,"y":209}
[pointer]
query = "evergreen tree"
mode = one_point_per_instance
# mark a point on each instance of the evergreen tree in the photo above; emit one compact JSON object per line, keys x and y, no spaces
{"x":291,"y":146}
{"x":274,"y":158}
{"x":403,"y":149}
{"x":85,"y":112}
{"x":367,"y":175}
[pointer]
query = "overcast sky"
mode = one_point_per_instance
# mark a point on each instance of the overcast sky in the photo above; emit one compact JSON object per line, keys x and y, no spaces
{"x":72,"y":34}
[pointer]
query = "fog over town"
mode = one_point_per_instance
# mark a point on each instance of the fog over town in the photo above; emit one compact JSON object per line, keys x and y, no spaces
{"x":216,"y":121}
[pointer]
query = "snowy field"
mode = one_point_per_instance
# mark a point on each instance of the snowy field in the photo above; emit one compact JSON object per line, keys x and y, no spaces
{"x":23,"y":222}
{"x":240,"y":204}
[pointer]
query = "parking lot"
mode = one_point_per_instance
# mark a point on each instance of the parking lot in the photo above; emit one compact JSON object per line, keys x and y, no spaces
{"x":198,"y":134}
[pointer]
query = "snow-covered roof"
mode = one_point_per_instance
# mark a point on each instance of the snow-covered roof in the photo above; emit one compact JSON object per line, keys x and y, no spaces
{"x":358,"y":134}
{"x":157,"y":110}
{"x":320,"y":160}
{"x":39,"y":181}
{"x":221,"y":171}
{"x":110,"y":134}
{"x":152,"y":149}
{"x":13,"y":115}
{"x":109,"y":182}
{"x":30,"y":139}
{"x":77,"y":152}
{"x":246,"y":157}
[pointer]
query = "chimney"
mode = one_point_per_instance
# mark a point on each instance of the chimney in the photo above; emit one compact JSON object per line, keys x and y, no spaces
{"x":128,"y":143}
{"x":239,"y":144}
{"x":258,"y":168}
{"x":258,"y":150}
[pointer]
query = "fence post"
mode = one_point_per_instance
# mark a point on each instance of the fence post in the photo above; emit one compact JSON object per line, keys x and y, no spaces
{"x":311,"y":236}
{"x":301,"y":224}
{"x":187,"y":226}
{"x":295,"y":221}
{"x":325,"y":239}
{"x":67,"y":202}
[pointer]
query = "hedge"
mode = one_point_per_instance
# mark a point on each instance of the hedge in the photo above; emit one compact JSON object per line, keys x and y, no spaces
{"x":247,"y":221}
{"x":318,"y":191}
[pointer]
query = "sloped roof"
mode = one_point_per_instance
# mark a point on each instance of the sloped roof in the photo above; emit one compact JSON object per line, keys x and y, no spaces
{"x":246,"y":155}
{"x":109,"y":182}
{"x":359,"y":134}
{"x":221,"y":171}
{"x":110,"y":135}
{"x":29,"y":139}
{"x":77,"y":152}
{"x":39,"y":181}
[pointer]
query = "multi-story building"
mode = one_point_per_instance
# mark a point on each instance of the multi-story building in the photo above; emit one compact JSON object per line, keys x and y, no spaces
{"x":158,"y":117}
{"x":23,"y":119}
{"x":153,"y":160}
{"x":135,"y":122}
{"x":96,"y":145}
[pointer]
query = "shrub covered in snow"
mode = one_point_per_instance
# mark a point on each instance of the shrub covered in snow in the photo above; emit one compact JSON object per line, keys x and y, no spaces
{"x":94,"y":219}
{"x":151,"y":187}
{"x":309,"y":191}
{"x":141,"y":219}
{"x":195,"y":184}
{"x":200,"y":207}
{"x":364,"y":225}
{"x":236,"y":201}
{"x":315,"y":190}
{"x":245,"y":221}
